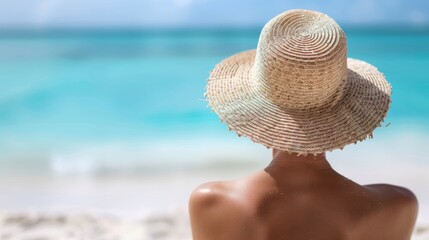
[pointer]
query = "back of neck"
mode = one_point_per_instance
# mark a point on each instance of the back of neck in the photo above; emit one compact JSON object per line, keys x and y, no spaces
{"x":289,"y":166}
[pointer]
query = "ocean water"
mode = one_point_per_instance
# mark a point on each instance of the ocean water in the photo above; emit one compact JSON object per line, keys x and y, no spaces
{"x":105,"y":101}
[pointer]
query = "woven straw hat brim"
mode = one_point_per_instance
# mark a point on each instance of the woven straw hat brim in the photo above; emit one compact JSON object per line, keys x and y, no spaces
{"x":244,"y":108}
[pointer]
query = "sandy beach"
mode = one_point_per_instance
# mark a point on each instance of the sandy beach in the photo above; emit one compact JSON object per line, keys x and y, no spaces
{"x":153,"y":204}
{"x":104,"y":134}
{"x":167,"y":226}
{"x":138,"y":207}
{"x":105,"y":129}
{"x":97,"y":227}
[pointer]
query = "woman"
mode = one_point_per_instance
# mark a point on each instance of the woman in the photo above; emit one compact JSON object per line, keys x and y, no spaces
{"x":298,"y":94}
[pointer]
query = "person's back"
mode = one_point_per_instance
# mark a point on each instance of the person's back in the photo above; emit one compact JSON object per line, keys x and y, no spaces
{"x":298,"y":94}
{"x":296,"y":198}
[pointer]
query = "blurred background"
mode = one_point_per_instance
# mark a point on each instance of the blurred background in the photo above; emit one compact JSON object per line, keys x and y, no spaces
{"x":102,"y":104}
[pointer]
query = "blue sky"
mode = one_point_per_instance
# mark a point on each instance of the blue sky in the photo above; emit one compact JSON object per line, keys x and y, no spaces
{"x":201,"y":13}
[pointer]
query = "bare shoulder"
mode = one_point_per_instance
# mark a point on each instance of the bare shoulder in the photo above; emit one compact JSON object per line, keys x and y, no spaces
{"x":212,"y":208}
{"x":396,"y":200}
{"x":394,"y":194}
{"x":209,"y":194}
{"x":395,"y":213}
{"x":216,"y":206}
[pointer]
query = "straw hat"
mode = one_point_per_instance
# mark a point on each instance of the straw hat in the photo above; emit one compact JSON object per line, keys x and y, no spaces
{"x":298,"y":91}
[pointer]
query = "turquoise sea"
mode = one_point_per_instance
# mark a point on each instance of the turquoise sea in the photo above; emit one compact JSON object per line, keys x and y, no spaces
{"x":91,"y":100}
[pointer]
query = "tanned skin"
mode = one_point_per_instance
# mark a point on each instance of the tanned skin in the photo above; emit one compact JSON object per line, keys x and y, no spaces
{"x":301,"y":198}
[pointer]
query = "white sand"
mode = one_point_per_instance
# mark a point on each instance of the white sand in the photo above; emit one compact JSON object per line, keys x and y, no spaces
{"x":172,"y":226}
{"x":141,"y":208}
{"x":95,"y":227}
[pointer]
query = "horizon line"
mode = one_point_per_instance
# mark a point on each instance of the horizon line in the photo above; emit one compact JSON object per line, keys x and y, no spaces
{"x":361,"y":28}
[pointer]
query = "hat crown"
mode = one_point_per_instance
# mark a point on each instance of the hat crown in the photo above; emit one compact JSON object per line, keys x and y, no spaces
{"x":301,"y":60}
